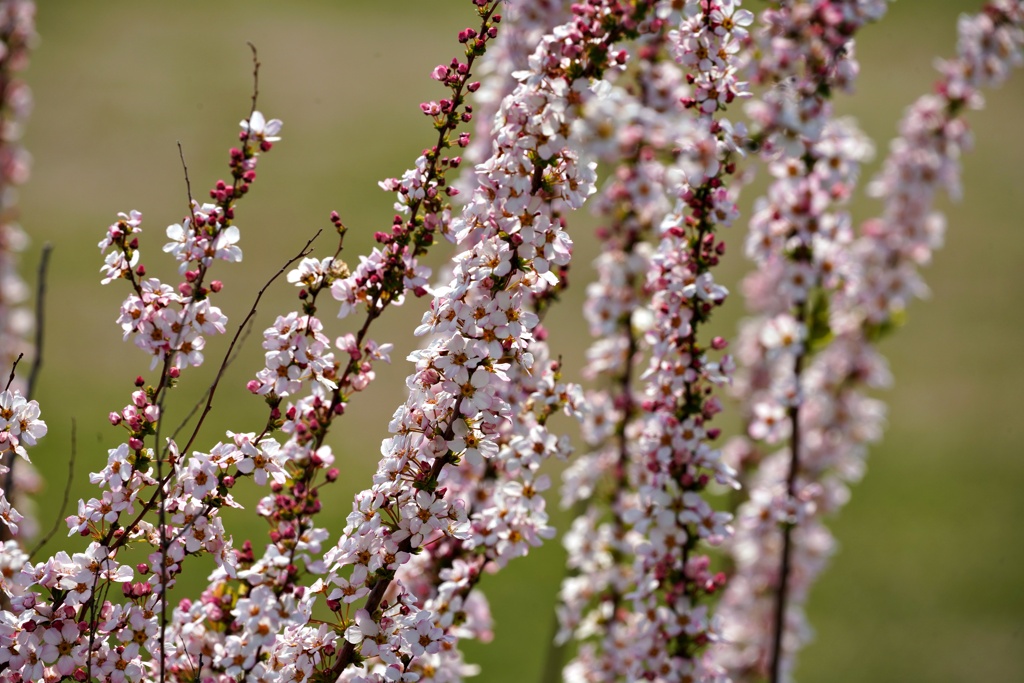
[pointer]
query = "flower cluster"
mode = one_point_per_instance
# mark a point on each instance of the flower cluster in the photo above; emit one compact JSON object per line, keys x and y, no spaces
{"x":42,"y":637}
{"x":642,"y":570}
{"x":20,"y":426}
{"x":467,"y":377}
{"x":825,"y":296}
{"x":17,"y":37}
{"x":800,"y":241}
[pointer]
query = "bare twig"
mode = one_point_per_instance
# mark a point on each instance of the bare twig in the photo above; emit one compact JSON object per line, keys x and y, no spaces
{"x":227,"y":363}
{"x":67,"y":492}
{"x":37,"y":360}
{"x":14,"y":370}
{"x":255,"y":77}
{"x":188,"y":183}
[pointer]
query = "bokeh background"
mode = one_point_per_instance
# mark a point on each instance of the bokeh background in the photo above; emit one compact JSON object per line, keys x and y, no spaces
{"x":927,"y":585}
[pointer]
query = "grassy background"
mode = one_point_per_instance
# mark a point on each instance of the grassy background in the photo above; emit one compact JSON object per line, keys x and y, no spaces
{"x":927,"y":584}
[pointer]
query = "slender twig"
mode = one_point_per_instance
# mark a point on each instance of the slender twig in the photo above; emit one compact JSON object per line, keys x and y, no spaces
{"x":37,"y":360}
{"x":162,"y":524}
{"x":14,"y":370}
{"x":227,"y":363}
{"x":779,"y":619}
{"x":188,"y":183}
{"x":92,"y":619}
{"x":255,"y":77}
{"x":67,"y":492}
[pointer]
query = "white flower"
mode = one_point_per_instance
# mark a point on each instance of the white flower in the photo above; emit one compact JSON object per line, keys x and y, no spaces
{"x":259,"y":127}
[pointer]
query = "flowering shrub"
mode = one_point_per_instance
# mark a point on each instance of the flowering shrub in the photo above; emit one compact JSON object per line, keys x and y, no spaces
{"x":692,"y":554}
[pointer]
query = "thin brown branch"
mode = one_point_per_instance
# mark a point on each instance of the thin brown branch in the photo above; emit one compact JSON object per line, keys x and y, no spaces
{"x":37,"y":359}
{"x":228,"y":362}
{"x":188,"y":183}
{"x":67,"y":492}
{"x":255,"y":77}
{"x":14,"y":371}
{"x":782,"y":594}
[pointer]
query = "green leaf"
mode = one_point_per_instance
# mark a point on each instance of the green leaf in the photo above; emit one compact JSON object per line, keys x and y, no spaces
{"x":819,"y":333}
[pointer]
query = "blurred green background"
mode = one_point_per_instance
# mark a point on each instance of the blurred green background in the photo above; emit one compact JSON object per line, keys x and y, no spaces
{"x":927,"y":585}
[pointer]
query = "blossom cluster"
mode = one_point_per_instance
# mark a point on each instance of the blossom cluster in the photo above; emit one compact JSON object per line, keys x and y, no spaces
{"x":642,"y":572}
{"x":825,"y":296}
{"x":17,"y":37}
{"x":42,"y":636}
